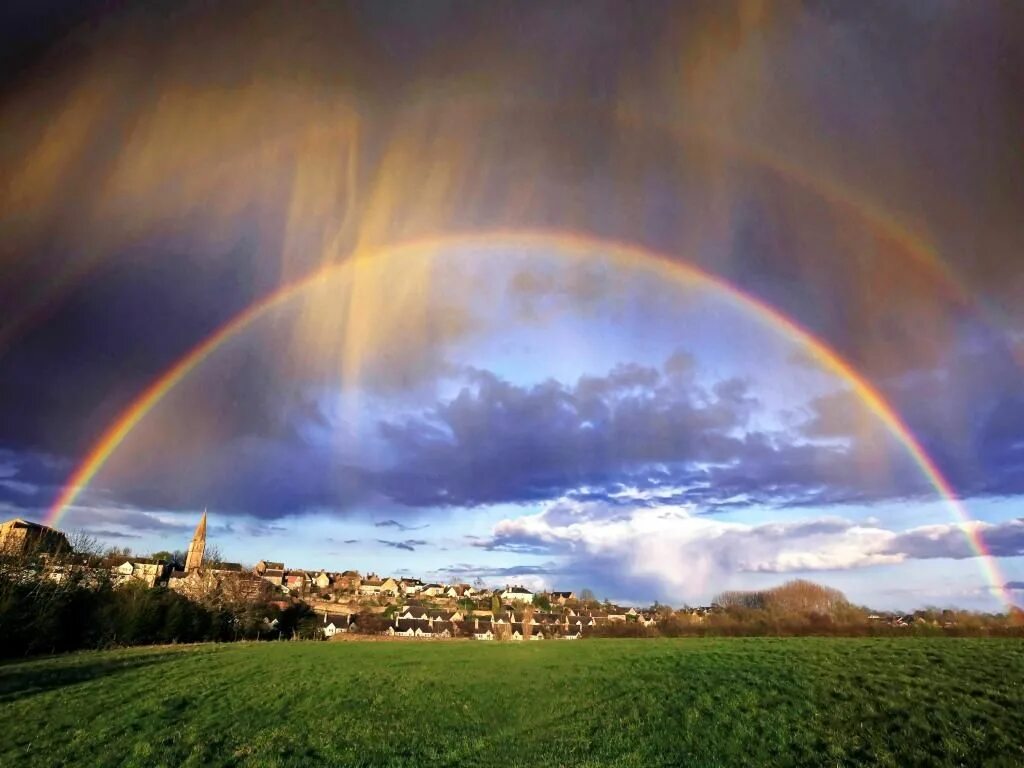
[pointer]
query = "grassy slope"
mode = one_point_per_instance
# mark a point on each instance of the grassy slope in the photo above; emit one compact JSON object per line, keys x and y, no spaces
{"x":623,"y":702}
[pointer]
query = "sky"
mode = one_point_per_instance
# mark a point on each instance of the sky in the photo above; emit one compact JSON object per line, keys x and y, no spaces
{"x":655,"y":301}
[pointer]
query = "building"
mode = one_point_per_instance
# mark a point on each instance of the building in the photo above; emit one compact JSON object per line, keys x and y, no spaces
{"x":274,"y":576}
{"x":20,"y":536}
{"x":562,"y":597}
{"x":517,"y":594}
{"x":347,"y":581}
{"x":194,"y":559}
{"x":149,"y":572}
{"x":337,"y":623}
{"x":267,"y":565}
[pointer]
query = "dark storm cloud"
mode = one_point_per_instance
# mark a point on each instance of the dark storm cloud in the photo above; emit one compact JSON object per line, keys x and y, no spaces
{"x":968,"y":414}
{"x":496,"y":441}
{"x":638,"y":436}
{"x":926,"y":126}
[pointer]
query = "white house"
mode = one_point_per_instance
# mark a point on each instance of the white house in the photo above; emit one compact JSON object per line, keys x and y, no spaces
{"x":335,"y":624}
{"x":517,"y":594}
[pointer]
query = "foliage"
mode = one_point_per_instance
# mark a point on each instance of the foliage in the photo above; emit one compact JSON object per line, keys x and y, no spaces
{"x":51,"y":605}
{"x":723,"y":702}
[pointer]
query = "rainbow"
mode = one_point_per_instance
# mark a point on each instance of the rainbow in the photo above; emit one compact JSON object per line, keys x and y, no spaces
{"x":565,"y":243}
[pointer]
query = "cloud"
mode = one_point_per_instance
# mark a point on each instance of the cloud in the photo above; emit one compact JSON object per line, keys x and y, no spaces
{"x":638,"y":430}
{"x":409,"y":544}
{"x":671,"y":552}
{"x":951,"y":541}
{"x":535,"y":577}
{"x":400,"y":526}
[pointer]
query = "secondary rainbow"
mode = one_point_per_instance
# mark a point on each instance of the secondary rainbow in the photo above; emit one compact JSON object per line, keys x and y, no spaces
{"x":561,"y":243}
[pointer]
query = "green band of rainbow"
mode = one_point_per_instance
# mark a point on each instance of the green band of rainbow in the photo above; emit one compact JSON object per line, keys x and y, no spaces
{"x":566,"y":243}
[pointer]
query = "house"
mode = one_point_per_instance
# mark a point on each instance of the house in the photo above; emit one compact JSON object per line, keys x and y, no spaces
{"x":413,"y":613}
{"x":452,"y":592}
{"x":432,"y":590}
{"x":370,"y":586}
{"x":517,"y":594}
{"x":266,"y":565}
{"x":337,"y":623}
{"x":20,"y":536}
{"x":410,"y":628}
{"x":295,"y":581}
{"x":389,"y":587}
{"x":347,"y":581}
{"x":322,"y":580}
{"x":562,"y":597}
{"x":273,"y":576}
{"x":481,"y":630}
{"x":148,"y":571}
{"x":410,"y":586}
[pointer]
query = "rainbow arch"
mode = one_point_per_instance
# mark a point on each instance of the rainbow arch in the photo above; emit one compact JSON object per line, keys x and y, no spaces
{"x":565,"y":243}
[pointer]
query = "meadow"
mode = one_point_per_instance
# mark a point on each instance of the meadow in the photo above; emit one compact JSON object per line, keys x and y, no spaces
{"x":713,"y":702}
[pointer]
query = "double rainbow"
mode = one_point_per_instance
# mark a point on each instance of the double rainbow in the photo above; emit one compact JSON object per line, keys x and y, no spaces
{"x":570,"y":244}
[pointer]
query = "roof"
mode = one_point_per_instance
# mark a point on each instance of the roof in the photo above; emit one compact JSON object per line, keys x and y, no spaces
{"x":518,"y":591}
{"x":269,"y":564}
{"x":20,"y":522}
{"x":561,"y":594}
{"x":228,"y":567}
{"x":201,"y":528}
{"x":402,"y":625}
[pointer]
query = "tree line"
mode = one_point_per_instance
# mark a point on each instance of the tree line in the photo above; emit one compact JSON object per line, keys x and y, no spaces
{"x":804,"y":608}
{"x":69,"y":601}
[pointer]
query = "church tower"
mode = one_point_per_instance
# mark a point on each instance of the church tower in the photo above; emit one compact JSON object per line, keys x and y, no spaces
{"x":194,"y":560}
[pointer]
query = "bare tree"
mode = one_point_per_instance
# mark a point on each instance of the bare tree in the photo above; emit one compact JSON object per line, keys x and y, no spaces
{"x":528,"y":612}
{"x":212,"y":556}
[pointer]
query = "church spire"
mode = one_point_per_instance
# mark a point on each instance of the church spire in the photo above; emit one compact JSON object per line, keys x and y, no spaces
{"x":194,"y":560}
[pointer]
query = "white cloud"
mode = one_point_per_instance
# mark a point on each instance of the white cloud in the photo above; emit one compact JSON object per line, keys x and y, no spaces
{"x":687,"y":555}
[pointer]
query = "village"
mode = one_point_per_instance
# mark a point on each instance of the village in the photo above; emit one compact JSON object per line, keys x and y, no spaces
{"x":336,"y":604}
{"x":347,"y":601}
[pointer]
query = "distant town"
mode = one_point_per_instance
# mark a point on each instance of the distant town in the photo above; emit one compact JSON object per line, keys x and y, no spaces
{"x":338,"y":603}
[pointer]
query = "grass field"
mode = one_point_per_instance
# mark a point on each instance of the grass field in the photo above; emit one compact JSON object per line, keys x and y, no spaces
{"x":612,"y":702}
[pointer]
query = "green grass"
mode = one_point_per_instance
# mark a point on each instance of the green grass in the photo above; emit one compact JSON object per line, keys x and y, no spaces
{"x":613,"y":702}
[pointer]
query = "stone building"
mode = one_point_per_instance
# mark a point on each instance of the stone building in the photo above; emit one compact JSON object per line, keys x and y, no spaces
{"x":194,"y":559}
{"x":19,"y":536}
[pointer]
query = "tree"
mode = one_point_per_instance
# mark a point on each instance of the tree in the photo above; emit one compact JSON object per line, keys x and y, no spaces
{"x":528,"y":612}
{"x":212,"y":556}
{"x":495,"y":605}
{"x":542,"y":601}
{"x":587,"y":595}
{"x":804,"y":597}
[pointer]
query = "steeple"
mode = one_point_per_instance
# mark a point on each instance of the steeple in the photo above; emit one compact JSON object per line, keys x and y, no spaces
{"x":194,"y":560}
